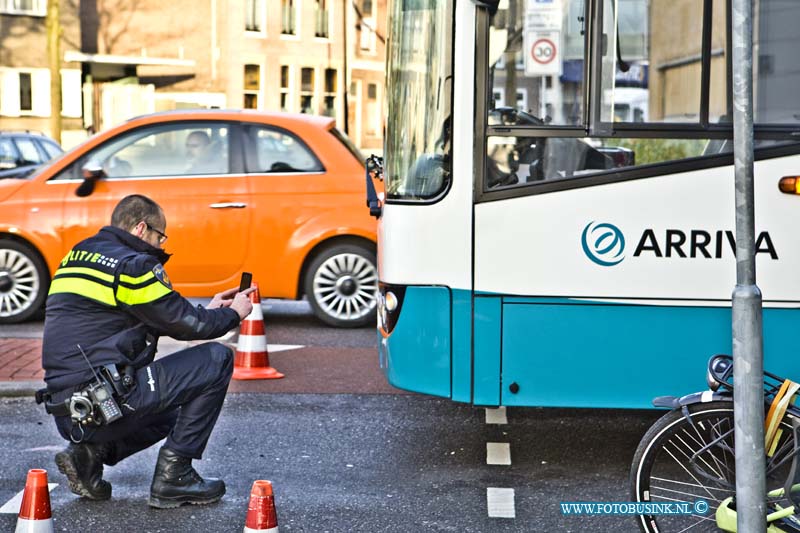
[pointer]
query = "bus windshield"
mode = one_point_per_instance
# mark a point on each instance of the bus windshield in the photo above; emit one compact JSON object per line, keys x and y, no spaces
{"x":419,"y":58}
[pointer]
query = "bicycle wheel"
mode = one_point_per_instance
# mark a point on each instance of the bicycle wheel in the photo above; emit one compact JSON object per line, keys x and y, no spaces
{"x":682,"y":461}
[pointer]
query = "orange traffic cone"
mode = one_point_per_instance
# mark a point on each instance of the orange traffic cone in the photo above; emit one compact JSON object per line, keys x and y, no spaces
{"x":34,"y":513}
{"x":252,"y":360}
{"x":261,"y":514}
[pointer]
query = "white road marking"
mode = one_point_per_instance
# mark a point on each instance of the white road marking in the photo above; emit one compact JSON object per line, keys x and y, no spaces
{"x":44,"y":449}
{"x":496,"y":416}
{"x":12,"y":506}
{"x":500,"y":502}
{"x":498,"y":453}
{"x":283,"y":347}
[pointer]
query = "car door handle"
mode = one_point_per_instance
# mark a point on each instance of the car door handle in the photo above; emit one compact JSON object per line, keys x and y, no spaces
{"x":228,"y":205}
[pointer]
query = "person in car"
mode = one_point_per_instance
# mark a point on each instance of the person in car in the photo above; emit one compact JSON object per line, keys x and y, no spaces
{"x":204,"y":156}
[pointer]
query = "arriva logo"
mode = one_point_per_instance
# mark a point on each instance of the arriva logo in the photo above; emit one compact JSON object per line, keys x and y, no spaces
{"x":603,"y":243}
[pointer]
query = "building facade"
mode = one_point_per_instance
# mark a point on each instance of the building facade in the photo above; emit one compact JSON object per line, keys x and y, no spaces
{"x":127,"y":57}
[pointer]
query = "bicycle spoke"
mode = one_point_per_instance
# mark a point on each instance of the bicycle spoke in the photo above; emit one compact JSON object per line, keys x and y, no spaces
{"x":684,"y":493}
{"x":686,"y":469}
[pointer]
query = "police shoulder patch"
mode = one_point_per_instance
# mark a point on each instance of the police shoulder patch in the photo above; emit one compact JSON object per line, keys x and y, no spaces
{"x":161,"y":275}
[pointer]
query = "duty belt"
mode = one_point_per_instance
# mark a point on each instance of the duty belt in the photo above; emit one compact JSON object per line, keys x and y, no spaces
{"x":57,"y":403}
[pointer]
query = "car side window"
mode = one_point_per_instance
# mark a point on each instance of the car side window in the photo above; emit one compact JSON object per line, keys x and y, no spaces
{"x":27,"y":149}
{"x":166,"y":150}
{"x":51,"y":149}
{"x":274,"y":150}
{"x":8,"y":154}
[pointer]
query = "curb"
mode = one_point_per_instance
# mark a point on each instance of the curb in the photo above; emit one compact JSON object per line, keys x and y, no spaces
{"x":13,"y":389}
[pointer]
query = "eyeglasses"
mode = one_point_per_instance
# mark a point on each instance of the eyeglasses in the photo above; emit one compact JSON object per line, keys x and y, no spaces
{"x":162,"y":237}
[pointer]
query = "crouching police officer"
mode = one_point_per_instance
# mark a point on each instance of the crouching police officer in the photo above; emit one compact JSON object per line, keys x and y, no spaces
{"x":109,"y":302}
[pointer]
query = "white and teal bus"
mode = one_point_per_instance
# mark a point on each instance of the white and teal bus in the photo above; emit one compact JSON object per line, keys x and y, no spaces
{"x":558,"y":221}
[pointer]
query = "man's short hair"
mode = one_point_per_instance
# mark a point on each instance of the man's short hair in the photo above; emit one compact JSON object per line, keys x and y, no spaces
{"x":200,"y":135}
{"x":136,"y":208}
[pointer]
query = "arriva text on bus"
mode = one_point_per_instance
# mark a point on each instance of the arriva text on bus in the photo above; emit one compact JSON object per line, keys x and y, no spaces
{"x":698,"y":243}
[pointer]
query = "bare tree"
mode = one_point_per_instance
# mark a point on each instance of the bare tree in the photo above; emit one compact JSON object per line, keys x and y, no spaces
{"x":53,"y":26}
{"x":115,"y":17}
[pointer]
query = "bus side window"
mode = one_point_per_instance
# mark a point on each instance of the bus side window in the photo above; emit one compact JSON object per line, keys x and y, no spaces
{"x":512,"y":161}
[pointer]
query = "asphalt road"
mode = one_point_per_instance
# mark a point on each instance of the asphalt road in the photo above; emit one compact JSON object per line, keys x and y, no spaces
{"x":353,"y":462}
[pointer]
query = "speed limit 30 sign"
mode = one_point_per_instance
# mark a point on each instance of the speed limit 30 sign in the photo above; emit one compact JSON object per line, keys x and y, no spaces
{"x":543,"y":54}
{"x":543,"y":51}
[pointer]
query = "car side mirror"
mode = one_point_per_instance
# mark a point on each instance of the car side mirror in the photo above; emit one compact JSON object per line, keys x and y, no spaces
{"x":91,"y":172}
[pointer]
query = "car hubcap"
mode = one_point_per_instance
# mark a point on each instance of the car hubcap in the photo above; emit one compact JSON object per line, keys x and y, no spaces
{"x":19,"y":282}
{"x":345,"y":286}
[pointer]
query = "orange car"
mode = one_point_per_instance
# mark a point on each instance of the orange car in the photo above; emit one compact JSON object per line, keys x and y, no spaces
{"x":279,"y":195}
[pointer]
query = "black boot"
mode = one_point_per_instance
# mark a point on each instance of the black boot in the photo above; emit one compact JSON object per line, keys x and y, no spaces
{"x":83,"y":466}
{"x":175,"y":482}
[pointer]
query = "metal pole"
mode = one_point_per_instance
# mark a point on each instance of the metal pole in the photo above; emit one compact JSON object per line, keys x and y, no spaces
{"x":748,"y":357}
{"x":346,"y":83}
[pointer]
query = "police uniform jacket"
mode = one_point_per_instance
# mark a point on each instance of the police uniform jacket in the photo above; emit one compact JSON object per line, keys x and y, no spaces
{"x":111,"y":296}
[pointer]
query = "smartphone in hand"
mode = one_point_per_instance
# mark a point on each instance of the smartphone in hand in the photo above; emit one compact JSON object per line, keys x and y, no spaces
{"x":246,"y":281}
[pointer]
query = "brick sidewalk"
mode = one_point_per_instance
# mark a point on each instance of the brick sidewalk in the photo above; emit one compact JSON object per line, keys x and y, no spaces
{"x":308,"y":369}
{"x":21,"y":360}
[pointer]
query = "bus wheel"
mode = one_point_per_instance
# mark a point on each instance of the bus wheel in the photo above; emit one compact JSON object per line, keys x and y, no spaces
{"x":23,"y":282}
{"x":341,"y":284}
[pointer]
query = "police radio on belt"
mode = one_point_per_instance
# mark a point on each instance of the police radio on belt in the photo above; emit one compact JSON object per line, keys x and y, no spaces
{"x":95,"y":403}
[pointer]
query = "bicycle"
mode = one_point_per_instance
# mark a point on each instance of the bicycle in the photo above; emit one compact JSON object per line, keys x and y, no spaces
{"x":688,"y":455}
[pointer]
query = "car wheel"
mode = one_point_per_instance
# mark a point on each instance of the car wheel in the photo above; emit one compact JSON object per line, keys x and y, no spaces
{"x":23,"y":282}
{"x":341,"y":284}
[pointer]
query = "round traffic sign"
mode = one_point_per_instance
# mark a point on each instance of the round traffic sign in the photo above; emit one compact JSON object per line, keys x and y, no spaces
{"x":543,"y":51}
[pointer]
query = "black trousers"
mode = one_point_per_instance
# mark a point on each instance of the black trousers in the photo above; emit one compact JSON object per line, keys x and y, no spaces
{"x":178,"y":397}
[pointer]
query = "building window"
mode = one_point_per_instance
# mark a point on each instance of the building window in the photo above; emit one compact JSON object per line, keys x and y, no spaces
{"x":499,"y":98}
{"x":522,"y":99}
{"x":25,"y":91}
{"x":321,"y":19}
{"x":329,"y":108}
{"x":367,"y":41}
{"x":307,"y":90}
{"x":255,"y":15}
{"x":285,"y":88}
{"x":288,"y":17}
{"x":36,"y":8}
{"x":373,"y":111}
{"x":368,"y":26}
{"x":252,"y":86}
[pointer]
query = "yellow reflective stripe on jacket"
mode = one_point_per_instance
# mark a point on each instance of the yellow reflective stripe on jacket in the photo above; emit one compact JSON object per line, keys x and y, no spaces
{"x":85,"y":271}
{"x":142,"y":295}
{"x":123,"y":278}
{"x":84,"y":287}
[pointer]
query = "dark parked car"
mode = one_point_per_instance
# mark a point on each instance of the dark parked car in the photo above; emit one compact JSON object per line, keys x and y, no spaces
{"x":21,"y":152}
